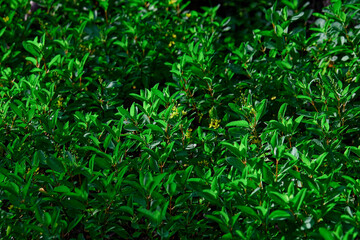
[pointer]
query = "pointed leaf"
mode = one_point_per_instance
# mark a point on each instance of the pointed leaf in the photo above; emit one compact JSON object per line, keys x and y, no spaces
{"x":241,"y":123}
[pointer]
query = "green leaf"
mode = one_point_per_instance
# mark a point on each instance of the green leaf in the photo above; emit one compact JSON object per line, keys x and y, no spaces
{"x":274,"y":139}
{"x":215,"y":219}
{"x":279,"y":198}
{"x":106,"y":156}
{"x":47,"y":219}
{"x":185,"y":174}
{"x":73,"y":204}
{"x":2,"y":31}
{"x":120,"y":177}
{"x":127,"y":210}
{"x":236,"y":162}
{"x":138,"y":97}
{"x":197,"y":71}
{"x":33,"y":60}
{"x":249,"y":211}
{"x":268,"y":176}
{"x":54,"y":60}
{"x":326,"y":234}
{"x":156,"y":128}
{"x":269,"y":33}
{"x":349,"y":179}
{"x":285,"y":65}
{"x":155,"y":217}
{"x":235,"y":150}
{"x":123,"y":113}
{"x":32,"y":48}
{"x":62,"y":188}
{"x":299,"y":198}
{"x":66,"y":74}
{"x":104,"y":4}
{"x":75,"y":222}
{"x":304,"y":97}
{"x":102,"y":162}
{"x":108,"y":141}
{"x":55,"y":164}
{"x":83,"y":60}
{"x":279,"y":215}
{"x":16,"y":109}
{"x":210,"y":196}
{"x":164,"y":210}
{"x":278,"y":126}
{"x":11,"y":187}
{"x":152,"y":153}
{"x":241,"y":123}
{"x":282,"y":111}
{"x":55,"y":216}
{"x":319,"y":15}
{"x":133,"y":111}
{"x":260,"y":107}
{"x":170,"y":185}
{"x":297,"y":122}
{"x":279,"y":32}
{"x":39,"y":214}
{"x":318,"y":161}
{"x":155,"y":183}
{"x":159,"y":94}
{"x":171,"y":188}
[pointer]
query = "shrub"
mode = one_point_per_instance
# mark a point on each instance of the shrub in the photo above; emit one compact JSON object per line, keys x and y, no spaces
{"x":135,"y":119}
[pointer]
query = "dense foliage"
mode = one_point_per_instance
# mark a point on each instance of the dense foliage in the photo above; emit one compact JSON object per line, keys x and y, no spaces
{"x":133,"y":119}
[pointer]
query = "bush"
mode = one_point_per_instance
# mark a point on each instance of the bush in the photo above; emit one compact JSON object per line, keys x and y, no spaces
{"x":134,"y":119}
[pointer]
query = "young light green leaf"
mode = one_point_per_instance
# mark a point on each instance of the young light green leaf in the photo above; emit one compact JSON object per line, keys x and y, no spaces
{"x":240,"y":123}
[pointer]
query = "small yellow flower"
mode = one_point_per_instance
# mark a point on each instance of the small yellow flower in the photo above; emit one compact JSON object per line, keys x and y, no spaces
{"x":174,"y":35}
{"x":203,"y":163}
{"x":214,"y":123}
{"x":254,"y":140}
{"x":6,"y":19}
{"x":175,"y":112}
{"x":172,"y":2}
{"x":188,"y":15}
{"x":273,"y":98}
{"x":171,"y":43}
{"x":60,"y":102}
{"x":188,"y":133}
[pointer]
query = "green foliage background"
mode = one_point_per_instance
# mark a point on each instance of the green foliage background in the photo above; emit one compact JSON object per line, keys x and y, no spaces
{"x":147,"y":120}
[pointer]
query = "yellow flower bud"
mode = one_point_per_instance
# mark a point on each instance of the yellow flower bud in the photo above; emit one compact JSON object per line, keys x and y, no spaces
{"x":42,"y":190}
